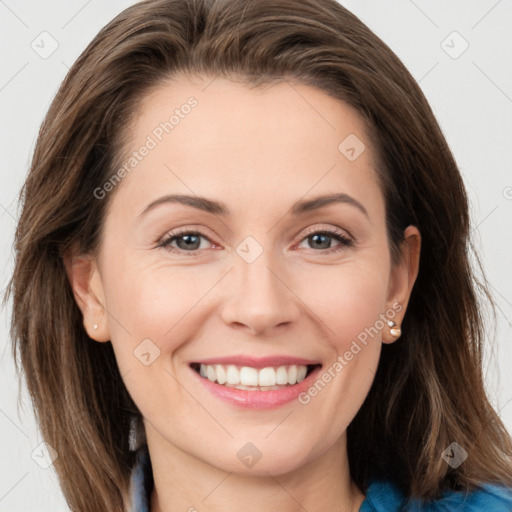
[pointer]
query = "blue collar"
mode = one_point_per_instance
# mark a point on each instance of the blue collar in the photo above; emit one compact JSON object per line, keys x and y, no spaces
{"x":141,"y":483}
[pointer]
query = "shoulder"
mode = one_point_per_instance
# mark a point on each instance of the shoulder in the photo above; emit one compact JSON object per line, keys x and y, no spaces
{"x":384,"y":496}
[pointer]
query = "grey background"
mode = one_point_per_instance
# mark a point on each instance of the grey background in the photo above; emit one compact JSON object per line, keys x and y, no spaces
{"x":470,"y":92}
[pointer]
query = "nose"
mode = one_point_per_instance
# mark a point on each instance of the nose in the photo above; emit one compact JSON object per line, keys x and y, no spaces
{"x":258,"y":296}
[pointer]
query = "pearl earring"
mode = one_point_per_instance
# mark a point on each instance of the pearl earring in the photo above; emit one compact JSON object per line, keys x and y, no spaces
{"x":394,"y":329}
{"x":95,"y":326}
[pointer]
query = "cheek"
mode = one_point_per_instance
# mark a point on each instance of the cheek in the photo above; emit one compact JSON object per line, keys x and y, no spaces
{"x":349,"y":302}
{"x":147,"y":304}
{"x":152,"y":316}
{"x":347,"y":299}
{"x":147,"y":299}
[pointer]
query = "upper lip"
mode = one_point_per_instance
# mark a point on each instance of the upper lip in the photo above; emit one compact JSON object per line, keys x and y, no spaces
{"x":258,"y":362}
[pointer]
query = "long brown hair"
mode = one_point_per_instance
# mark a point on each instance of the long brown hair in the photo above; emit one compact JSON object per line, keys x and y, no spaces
{"x":428,"y":390}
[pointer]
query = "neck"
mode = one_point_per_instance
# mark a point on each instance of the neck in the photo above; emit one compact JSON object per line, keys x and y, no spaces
{"x":183,"y":482}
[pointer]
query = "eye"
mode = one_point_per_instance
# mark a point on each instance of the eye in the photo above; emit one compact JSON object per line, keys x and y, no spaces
{"x":186,"y":241}
{"x":322,"y":239}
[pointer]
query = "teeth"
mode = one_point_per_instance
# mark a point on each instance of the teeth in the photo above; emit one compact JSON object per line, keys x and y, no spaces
{"x":220,"y":374}
{"x":292,"y":374}
{"x":281,"y":376}
{"x":246,"y":377}
{"x":301,"y":373}
{"x":267,"y":377}
{"x":210,"y":373}
{"x":232,"y":375}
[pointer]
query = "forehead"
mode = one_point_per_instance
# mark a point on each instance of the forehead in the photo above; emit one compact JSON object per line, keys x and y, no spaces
{"x":212,"y":135}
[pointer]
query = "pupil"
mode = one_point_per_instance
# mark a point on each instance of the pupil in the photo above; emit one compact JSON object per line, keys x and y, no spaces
{"x":326,"y":240}
{"x":189,"y":241}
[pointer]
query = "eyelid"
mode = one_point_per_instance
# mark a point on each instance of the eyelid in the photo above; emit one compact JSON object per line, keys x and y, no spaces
{"x":191,"y":228}
{"x":328,"y":230}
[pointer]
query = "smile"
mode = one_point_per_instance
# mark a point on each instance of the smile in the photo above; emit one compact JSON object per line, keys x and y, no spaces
{"x":251,"y":383}
{"x":254,"y":379}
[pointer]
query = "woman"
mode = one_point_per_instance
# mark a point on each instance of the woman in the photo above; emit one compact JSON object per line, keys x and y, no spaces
{"x":187,"y":343}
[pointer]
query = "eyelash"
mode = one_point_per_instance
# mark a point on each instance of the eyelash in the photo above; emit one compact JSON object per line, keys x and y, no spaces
{"x":342,"y":238}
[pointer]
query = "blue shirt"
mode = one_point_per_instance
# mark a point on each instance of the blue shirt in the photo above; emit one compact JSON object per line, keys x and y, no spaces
{"x":381,"y":496}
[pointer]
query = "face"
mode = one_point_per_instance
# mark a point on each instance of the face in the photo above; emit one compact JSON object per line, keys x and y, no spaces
{"x":249,"y":277}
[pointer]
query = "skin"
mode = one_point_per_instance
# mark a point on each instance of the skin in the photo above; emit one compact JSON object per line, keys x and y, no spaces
{"x":258,"y":151}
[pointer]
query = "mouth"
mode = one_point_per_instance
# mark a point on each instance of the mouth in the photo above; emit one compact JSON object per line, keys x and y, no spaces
{"x":255,"y":378}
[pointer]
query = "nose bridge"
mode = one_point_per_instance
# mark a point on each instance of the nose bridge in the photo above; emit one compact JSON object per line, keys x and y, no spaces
{"x":257,"y":278}
{"x":260,"y":300}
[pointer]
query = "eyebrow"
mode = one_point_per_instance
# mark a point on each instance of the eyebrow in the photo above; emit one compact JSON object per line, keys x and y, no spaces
{"x":219,"y":208}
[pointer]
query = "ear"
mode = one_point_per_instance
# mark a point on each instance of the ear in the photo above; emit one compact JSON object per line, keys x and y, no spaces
{"x":85,"y":279}
{"x":402,"y":279}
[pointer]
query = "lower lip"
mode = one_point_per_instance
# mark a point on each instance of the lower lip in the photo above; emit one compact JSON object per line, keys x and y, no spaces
{"x":259,"y":399}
